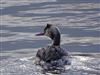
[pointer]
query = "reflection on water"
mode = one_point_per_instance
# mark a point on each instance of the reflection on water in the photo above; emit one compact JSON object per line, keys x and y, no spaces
{"x":80,"y":65}
{"x":78,"y":21}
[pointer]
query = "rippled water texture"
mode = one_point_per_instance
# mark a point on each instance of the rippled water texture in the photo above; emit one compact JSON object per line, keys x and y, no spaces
{"x":79,"y":23}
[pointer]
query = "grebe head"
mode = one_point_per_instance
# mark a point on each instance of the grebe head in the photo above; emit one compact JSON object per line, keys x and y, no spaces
{"x":53,"y":33}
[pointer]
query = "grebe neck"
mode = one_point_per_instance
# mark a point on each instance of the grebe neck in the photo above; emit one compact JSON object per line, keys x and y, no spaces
{"x":56,"y":40}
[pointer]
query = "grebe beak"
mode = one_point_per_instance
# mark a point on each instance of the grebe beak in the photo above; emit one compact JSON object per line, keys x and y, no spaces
{"x":39,"y":34}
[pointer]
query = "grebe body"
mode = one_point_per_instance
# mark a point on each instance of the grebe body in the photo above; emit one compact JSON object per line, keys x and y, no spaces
{"x":53,"y":55}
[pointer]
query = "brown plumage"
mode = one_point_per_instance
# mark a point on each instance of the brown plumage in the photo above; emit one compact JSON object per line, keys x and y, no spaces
{"x":53,"y":52}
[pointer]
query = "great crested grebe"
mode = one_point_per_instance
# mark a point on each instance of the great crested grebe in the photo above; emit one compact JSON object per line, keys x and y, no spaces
{"x":53,"y":52}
